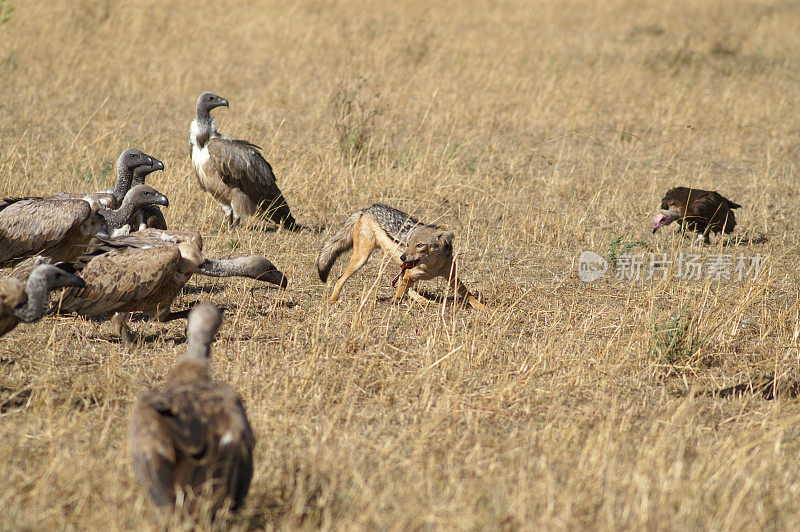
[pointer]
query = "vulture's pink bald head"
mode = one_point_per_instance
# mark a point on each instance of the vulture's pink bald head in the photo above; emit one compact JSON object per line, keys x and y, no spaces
{"x":661,"y":220}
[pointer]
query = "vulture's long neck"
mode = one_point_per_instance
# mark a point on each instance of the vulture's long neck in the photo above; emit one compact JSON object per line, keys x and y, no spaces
{"x":203,"y":127}
{"x":119,"y":217}
{"x":124,"y":179}
{"x":38,"y":301}
{"x":223,"y":268}
{"x":198,"y":351}
{"x":138,"y":178}
{"x":199,"y":341}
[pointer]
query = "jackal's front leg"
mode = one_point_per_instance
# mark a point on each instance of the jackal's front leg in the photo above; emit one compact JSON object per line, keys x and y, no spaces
{"x":463,"y":294}
{"x":403,"y":284}
{"x":419,"y":298}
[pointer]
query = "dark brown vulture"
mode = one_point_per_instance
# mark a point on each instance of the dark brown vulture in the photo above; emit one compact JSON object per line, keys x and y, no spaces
{"x":233,"y":171}
{"x":191,"y":435}
{"x":57,"y":228}
{"x":29,"y":302}
{"x":144,"y":272}
{"x":701,"y":211}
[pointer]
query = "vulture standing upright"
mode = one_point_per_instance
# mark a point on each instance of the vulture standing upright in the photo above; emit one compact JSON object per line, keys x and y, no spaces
{"x":145,"y":270}
{"x":29,"y":302}
{"x":701,"y":211}
{"x":192,"y":434}
{"x":58,"y":228}
{"x":233,"y":171}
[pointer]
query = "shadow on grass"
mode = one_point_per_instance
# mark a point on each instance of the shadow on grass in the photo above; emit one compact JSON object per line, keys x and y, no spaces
{"x":766,"y":386}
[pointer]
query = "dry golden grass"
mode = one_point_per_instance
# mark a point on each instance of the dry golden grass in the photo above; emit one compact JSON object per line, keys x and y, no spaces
{"x":534,"y":130}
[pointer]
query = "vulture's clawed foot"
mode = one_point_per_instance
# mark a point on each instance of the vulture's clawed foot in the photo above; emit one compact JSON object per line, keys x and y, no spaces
{"x":120,"y":323}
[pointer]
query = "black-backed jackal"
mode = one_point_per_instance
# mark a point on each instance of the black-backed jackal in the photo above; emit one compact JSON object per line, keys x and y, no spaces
{"x":423,"y":251}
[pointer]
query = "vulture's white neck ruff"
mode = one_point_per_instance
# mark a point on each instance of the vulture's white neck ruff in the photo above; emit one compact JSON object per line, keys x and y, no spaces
{"x":200,"y":129}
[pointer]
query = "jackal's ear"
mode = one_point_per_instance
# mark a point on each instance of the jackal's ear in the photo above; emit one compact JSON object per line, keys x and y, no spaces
{"x":446,"y":239}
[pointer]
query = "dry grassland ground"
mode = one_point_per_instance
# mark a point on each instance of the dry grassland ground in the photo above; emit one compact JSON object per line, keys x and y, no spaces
{"x":534,"y":130}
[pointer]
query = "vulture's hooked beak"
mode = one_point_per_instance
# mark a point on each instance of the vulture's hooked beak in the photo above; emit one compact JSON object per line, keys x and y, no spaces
{"x":275,"y":277}
{"x":157,"y":165}
{"x":162,"y":200}
{"x":660,"y":221}
{"x":224,"y":103}
{"x":76,"y":281}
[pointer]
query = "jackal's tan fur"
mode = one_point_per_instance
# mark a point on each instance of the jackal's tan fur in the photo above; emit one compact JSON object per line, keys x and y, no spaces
{"x":426,"y":249}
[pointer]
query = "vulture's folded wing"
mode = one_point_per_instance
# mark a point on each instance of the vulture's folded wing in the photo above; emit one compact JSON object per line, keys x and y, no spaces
{"x":32,"y":226}
{"x":241,"y":165}
{"x":124,"y":280}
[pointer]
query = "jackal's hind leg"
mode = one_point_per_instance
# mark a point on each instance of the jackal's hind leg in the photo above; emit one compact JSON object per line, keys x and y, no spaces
{"x":463,"y":294}
{"x":358,"y":259}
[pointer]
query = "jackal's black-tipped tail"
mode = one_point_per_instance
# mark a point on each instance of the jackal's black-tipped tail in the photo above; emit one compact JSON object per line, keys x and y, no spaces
{"x":335,"y":245}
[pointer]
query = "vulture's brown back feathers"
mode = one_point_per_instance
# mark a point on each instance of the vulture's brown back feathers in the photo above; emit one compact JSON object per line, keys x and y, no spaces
{"x":125,"y":279}
{"x":32,"y":226}
{"x":241,"y":165}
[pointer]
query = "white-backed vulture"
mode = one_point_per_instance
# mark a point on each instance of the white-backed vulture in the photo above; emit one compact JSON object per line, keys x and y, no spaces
{"x":127,"y":163}
{"x":233,"y":171}
{"x":145,"y":270}
{"x":191,"y":435}
{"x":701,"y":211}
{"x":149,"y":216}
{"x":59,"y":228}
{"x":29,"y":302}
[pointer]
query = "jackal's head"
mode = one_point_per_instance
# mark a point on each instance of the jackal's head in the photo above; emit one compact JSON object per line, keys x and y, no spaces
{"x":430,"y":248}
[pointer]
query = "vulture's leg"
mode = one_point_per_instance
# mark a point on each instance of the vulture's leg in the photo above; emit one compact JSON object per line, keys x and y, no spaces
{"x":120,"y":323}
{"x":242,"y":206}
{"x":228,"y":212}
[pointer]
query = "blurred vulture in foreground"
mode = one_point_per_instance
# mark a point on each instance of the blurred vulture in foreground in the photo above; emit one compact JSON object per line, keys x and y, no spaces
{"x":144,"y":271}
{"x":191,"y":435}
{"x":233,"y":171}
{"x":58,"y":229}
{"x":29,"y":302}
{"x":701,"y":211}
